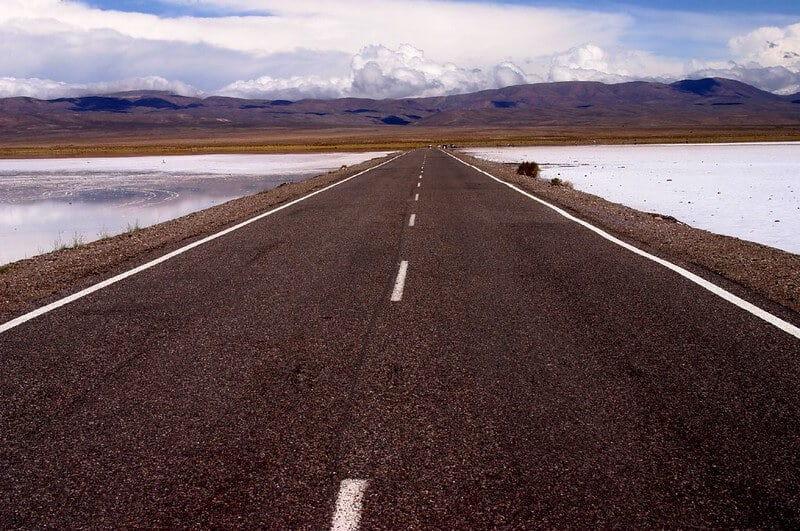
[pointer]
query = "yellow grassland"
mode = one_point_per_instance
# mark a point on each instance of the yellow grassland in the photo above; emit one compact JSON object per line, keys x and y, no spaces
{"x":174,"y":142}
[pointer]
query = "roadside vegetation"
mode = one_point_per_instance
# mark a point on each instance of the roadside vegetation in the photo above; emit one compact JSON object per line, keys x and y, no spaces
{"x":133,"y":228}
{"x":77,"y":241}
{"x":532,"y":169}
{"x":557,"y":181}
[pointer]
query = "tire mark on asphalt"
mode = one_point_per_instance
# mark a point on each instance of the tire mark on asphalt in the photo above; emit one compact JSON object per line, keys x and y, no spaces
{"x":345,"y":422}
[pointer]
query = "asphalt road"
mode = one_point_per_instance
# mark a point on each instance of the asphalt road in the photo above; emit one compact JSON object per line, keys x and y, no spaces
{"x":526,"y":374}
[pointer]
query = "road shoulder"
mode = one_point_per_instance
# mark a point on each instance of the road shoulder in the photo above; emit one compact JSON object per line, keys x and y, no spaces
{"x":771,"y":273}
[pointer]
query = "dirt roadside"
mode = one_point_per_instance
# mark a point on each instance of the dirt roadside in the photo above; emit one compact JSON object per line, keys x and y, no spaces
{"x":32,"y":283}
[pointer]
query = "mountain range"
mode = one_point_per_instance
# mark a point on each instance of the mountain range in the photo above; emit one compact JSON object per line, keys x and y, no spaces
{"x":711,"y":102}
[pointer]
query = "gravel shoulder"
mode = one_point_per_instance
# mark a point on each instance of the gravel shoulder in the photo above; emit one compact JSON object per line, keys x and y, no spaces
{"x":32,"y":283}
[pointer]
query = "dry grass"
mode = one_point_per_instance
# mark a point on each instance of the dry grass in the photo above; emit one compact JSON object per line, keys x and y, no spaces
{"x":178,"y":142}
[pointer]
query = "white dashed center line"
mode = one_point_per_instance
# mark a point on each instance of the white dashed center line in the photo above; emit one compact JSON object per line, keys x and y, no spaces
{"x":347,"y":514}
{"x":412,"y":220}
{"x":419,"y":184}
{"x":416,"y":197}
{"x":399,"y":284}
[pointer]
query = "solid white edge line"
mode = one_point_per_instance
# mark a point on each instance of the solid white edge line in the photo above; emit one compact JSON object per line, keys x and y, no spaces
{"x":347,"y":514}
{"x":399,"y":284}
{"x":113,"y":280}
{"x":713,"y":288}
{"x":412,"y":220}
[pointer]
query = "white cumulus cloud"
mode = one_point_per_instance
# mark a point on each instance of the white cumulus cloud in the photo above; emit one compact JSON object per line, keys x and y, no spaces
{"x":381,"y":72}
{"x":69,"y":41}
{"x":777,"y":79}
{"x":320,"y":49}
{"x":767,"y":58}
{"x":49,"y":89}
{"x":293,"y":88}
{"x":769,"y":46}
{"x":590,"y":62}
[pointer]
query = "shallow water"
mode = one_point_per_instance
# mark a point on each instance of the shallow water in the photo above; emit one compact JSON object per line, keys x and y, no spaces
{"x":52,"y":203}
{"x":749,"y":191}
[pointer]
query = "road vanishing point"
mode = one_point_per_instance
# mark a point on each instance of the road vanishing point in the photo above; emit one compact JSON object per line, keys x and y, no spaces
{"x":420,"y":346}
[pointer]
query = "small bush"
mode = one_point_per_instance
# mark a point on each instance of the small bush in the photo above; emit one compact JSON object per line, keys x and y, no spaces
{"x":531,"y":169}
{"x":555,"y":181}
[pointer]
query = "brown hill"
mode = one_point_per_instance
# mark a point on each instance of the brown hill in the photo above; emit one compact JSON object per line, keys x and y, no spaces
{"x":684,"y":104}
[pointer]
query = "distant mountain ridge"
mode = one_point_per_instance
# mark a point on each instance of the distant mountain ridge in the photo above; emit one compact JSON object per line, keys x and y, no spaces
{"x":708,"y":102}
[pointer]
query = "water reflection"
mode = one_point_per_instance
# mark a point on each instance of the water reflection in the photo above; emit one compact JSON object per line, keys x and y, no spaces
{"x":46,"y":205}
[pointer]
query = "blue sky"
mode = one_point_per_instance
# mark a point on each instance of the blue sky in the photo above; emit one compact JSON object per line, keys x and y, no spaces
{"x":171,"y":9}
{"x":387,"y":48}
{"x":785,"y":7}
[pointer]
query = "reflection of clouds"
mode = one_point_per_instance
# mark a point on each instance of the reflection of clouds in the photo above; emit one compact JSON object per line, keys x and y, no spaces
{"x":27,"y":229}
{"x":60,"y":216}
{"x":135,"y":190}
{"x":30,"y":215}
{"x":47,"y":201}
{"x":145,"y":180}
{"x":198,"y":166}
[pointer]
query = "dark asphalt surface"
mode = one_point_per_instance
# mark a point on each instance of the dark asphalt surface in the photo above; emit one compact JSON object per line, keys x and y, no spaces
{"x":533,"y":375}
